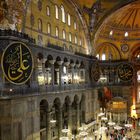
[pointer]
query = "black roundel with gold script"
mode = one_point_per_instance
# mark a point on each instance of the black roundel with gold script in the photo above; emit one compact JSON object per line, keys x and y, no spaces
{"x":17,"y":63}
{"x":125,"y":72}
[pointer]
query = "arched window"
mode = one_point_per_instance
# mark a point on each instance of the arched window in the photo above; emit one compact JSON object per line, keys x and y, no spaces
{"x":110,"y":56}
{"x":48,"y":11}
{"x":70,"y":37}
{"x":75,"y":25}
{"x":98,"y":56}
{"x":40,"y":40}
{"x":75,"y":39}
{"x":63,"y":13}
{"x":103,"y":56}
{"x":80,"y":42}
{"x":56,"y":12}
{"x":64,"y":34}
{"x":69,"y":19}
{"x":40,"y":25}
{"x":56,"y":31}
{"x":48,"y":28}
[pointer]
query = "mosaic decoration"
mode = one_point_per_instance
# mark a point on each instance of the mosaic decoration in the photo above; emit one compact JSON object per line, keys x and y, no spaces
{"x":125,"y":72}
{"x":17,"y":63}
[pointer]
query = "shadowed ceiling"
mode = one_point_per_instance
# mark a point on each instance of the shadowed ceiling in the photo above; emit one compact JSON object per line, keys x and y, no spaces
{"x":105,"y":3}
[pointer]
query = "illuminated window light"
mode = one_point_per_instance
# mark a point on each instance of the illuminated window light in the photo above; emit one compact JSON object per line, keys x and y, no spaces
{"x":11,"y":89}
{"x":103,"y":57}
{"x":126,"y":34}
{"x":111,"y":33}
{"x":97,"y":56}
{"x":64,"y":70}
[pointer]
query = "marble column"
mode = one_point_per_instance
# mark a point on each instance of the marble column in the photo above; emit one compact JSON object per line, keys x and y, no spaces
{"x":48,"y":126}
{"x":60,"y":72}
{"x":52,"y":70}
{"x":72,"y":71}
{"x":70,"y":118}
{"x":59,"y":121}
{"x":77,"y":116}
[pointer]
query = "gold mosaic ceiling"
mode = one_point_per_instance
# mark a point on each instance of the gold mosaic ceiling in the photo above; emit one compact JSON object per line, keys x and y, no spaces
{"x":124,"y":23}
{"x":121,"y":29}
{"x":127,"y":18}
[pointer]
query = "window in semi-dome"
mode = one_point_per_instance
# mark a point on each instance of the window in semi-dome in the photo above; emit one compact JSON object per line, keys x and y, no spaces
{"x":64,"y":34}
{"x":80,"y":42}
{"x":75,"y":25}
{"x":75,"y":39}
{"x":39,"y":24}
{"x":70,"y":37}
{"x":138,"y":56}
{"x":63,"y":13}
{"x":126,"y":34}
{"x":103,"y":56}
{"x":48,"y":28}
{"x":56,"y":12}
{"x":98,"y":56}
{"x":56,"y":31}
{"x":69,"y":19}
{"x":48,"y":10}
{"x":110,"y":56}
{"x":111,"y":33}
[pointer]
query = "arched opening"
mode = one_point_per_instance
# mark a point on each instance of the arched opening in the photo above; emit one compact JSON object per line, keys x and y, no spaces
{"x":43,"y":119}
{"x":66,"y":113}
{"x":58,"y":115}
{"x":48,"y":73}
{"x":76,"y":115}
{"x":82,"y":110}
{"x":57,"y":71}
{"x":40,"y":73}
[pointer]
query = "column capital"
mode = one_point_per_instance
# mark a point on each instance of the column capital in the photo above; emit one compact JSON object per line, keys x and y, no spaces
{"x":60,"y":62}
{"x":66,"y":63}
{"x":72,"y":64}
{"x":52,"y":62}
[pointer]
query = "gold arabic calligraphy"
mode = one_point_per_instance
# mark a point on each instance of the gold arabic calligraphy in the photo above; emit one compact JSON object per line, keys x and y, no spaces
{"x":125,"y":72}
{"x":18,"y":63}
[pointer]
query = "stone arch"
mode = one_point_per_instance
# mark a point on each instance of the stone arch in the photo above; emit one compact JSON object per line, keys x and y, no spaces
{"x":40,"y":56}
{"x":58,"y":115}
{"x":49,"y":57}
{"x":135,"y":52}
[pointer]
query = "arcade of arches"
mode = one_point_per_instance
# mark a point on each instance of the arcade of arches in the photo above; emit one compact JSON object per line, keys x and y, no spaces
{"x":65,"y":62}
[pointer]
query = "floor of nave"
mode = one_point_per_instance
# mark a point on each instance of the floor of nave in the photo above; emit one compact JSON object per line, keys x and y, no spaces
{"x":128,"y":136}
{"x":115,"y":132}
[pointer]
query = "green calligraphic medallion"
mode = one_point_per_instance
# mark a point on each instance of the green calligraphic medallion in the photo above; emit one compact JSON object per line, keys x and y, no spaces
{"x":125,"y":72}
{"x":17,"y":63}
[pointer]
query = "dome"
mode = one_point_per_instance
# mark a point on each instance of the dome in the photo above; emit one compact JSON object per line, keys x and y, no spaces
{"x":121,"y":29}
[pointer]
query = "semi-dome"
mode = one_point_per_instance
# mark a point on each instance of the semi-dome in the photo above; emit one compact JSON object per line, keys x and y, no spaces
{"x":121,"y":29}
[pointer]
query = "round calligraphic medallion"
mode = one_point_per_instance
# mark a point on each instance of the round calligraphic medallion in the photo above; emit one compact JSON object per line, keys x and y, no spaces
{"x":125,"y":72}
{"x":95,"y":72}
{"x":17,"y":63}
{"x":124,"y":48}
